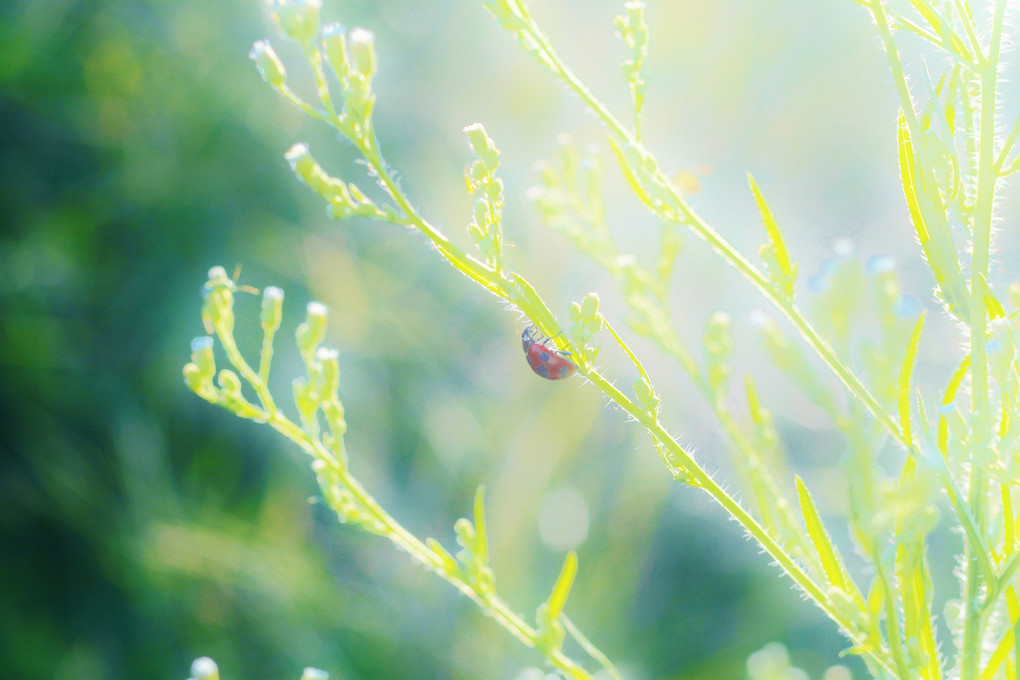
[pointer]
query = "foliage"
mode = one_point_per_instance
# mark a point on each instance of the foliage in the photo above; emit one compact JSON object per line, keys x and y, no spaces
{"x":952,"y":162}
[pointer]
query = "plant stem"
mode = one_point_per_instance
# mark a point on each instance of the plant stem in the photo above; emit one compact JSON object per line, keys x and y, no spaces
{"x":396,"y":533}
{"x":892,"y":614}
{"x":974,"y":612}
{"x":737,"y":512}
{"x":689,"y":218}
{"x":368,"y":147}
{"x":593,"y":651}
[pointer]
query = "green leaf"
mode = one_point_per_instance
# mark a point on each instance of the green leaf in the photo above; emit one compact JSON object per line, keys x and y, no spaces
{"x":992,"y":304}
{"x":876,"y":597}
{"x":444,"y":556}
{"x":558,"y":596}
{"x":906,"y":371}
{"x":481,"y":538}
{"x":631,"y":178}
{"x":941,"y":257}
{"x":906,"y":151}
{"x":948,"y":398}
{"x":776,"y":242}
{"x":753,"y":402}
{"x":913,"y":581}
{"x":1007,"y":642}
{"x":1008,"y":520}
{"x":820,"y":539}
{"x":1005,"y":422}
{"x":470,"y":267}
{"x":942,"y":27}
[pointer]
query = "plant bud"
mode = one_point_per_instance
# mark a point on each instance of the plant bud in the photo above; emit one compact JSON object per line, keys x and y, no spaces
{"x":329,"y":360}
{"x":313,"y":330}
{"x":334,"y":45}
{"x":202,"y":356}
{"x":297,"y":19}
{"x":204,"y":668}
{"x":361,"y":42}
{"x":272,"y":308}
{"x":268,"y":63}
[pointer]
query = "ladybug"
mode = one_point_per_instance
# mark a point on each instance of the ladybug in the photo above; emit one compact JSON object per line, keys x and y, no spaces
{"x":551,"y":364}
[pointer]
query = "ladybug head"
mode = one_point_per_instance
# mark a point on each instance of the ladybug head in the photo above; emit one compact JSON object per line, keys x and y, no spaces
{"x":528,"y":337}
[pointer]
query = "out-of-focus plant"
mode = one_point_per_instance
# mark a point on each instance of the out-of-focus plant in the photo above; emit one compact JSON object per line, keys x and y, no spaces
{"x":205,"y":668}
{"x":960,"y":444}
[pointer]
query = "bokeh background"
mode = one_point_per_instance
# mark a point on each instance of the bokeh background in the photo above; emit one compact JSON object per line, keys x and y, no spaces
{"x":141,"y":528}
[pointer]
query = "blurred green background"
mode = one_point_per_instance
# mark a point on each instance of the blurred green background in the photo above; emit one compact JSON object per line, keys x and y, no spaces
{"x":141,"y":528}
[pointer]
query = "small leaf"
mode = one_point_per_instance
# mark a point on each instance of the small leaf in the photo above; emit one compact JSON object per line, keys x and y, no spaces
{"x":776,"y":242}
{"x":1013,"y":166}
{"x":469,"y":266}
{"x":558,"y":596}
{"x":532,"y":304}
{"x":906,"y":372}
{"x":992,"y":304}
{"x":481,"y":538}
{"x":906,"y":150}
{"x":926,"y":635}
{"x":1006,"y":642}
{"x":631,"y":178}
{"x":358,"y":195}
{"x":589,"y":306}
{"x":876,"y":597}
{"x":1008,"y":521}
{"x":941,"y":258}
{"x":948,"y":398}
{"x":443,"y":554}
{"x":940,"y":26}
{"x":823,"y":545}
{"x":753,"y":402}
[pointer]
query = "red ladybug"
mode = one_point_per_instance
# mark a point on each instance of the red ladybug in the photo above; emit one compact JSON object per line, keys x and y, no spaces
{"x":551,"y":364}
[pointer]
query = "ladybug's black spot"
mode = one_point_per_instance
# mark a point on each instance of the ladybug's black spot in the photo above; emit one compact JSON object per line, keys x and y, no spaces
{"x":544,"y":356}
{"x":542,"y":370}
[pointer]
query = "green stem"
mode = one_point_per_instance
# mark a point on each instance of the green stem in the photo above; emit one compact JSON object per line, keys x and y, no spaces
{"x":491,"y":603}
{"x":735,"y":510}
{"x":892,"y":619}
{"x":973,"y":609}
{"x":478,"y":271}
{"x":981,"y":416}
{"x":484,"y":275}
{"x":1007,"y":146}
{"x":968,"y":25}
{"x":589,"y":647}
{"x":254,"y":379}
{"x":1001,"y":582}
{"x":397,"y":534}
{"x":314,"y":58}
{"x":266,"y":356}
{"x":772,"y":504}
{"x":970,"y":525}
{"x":309,"y":110}
{"x":701,"y":229}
